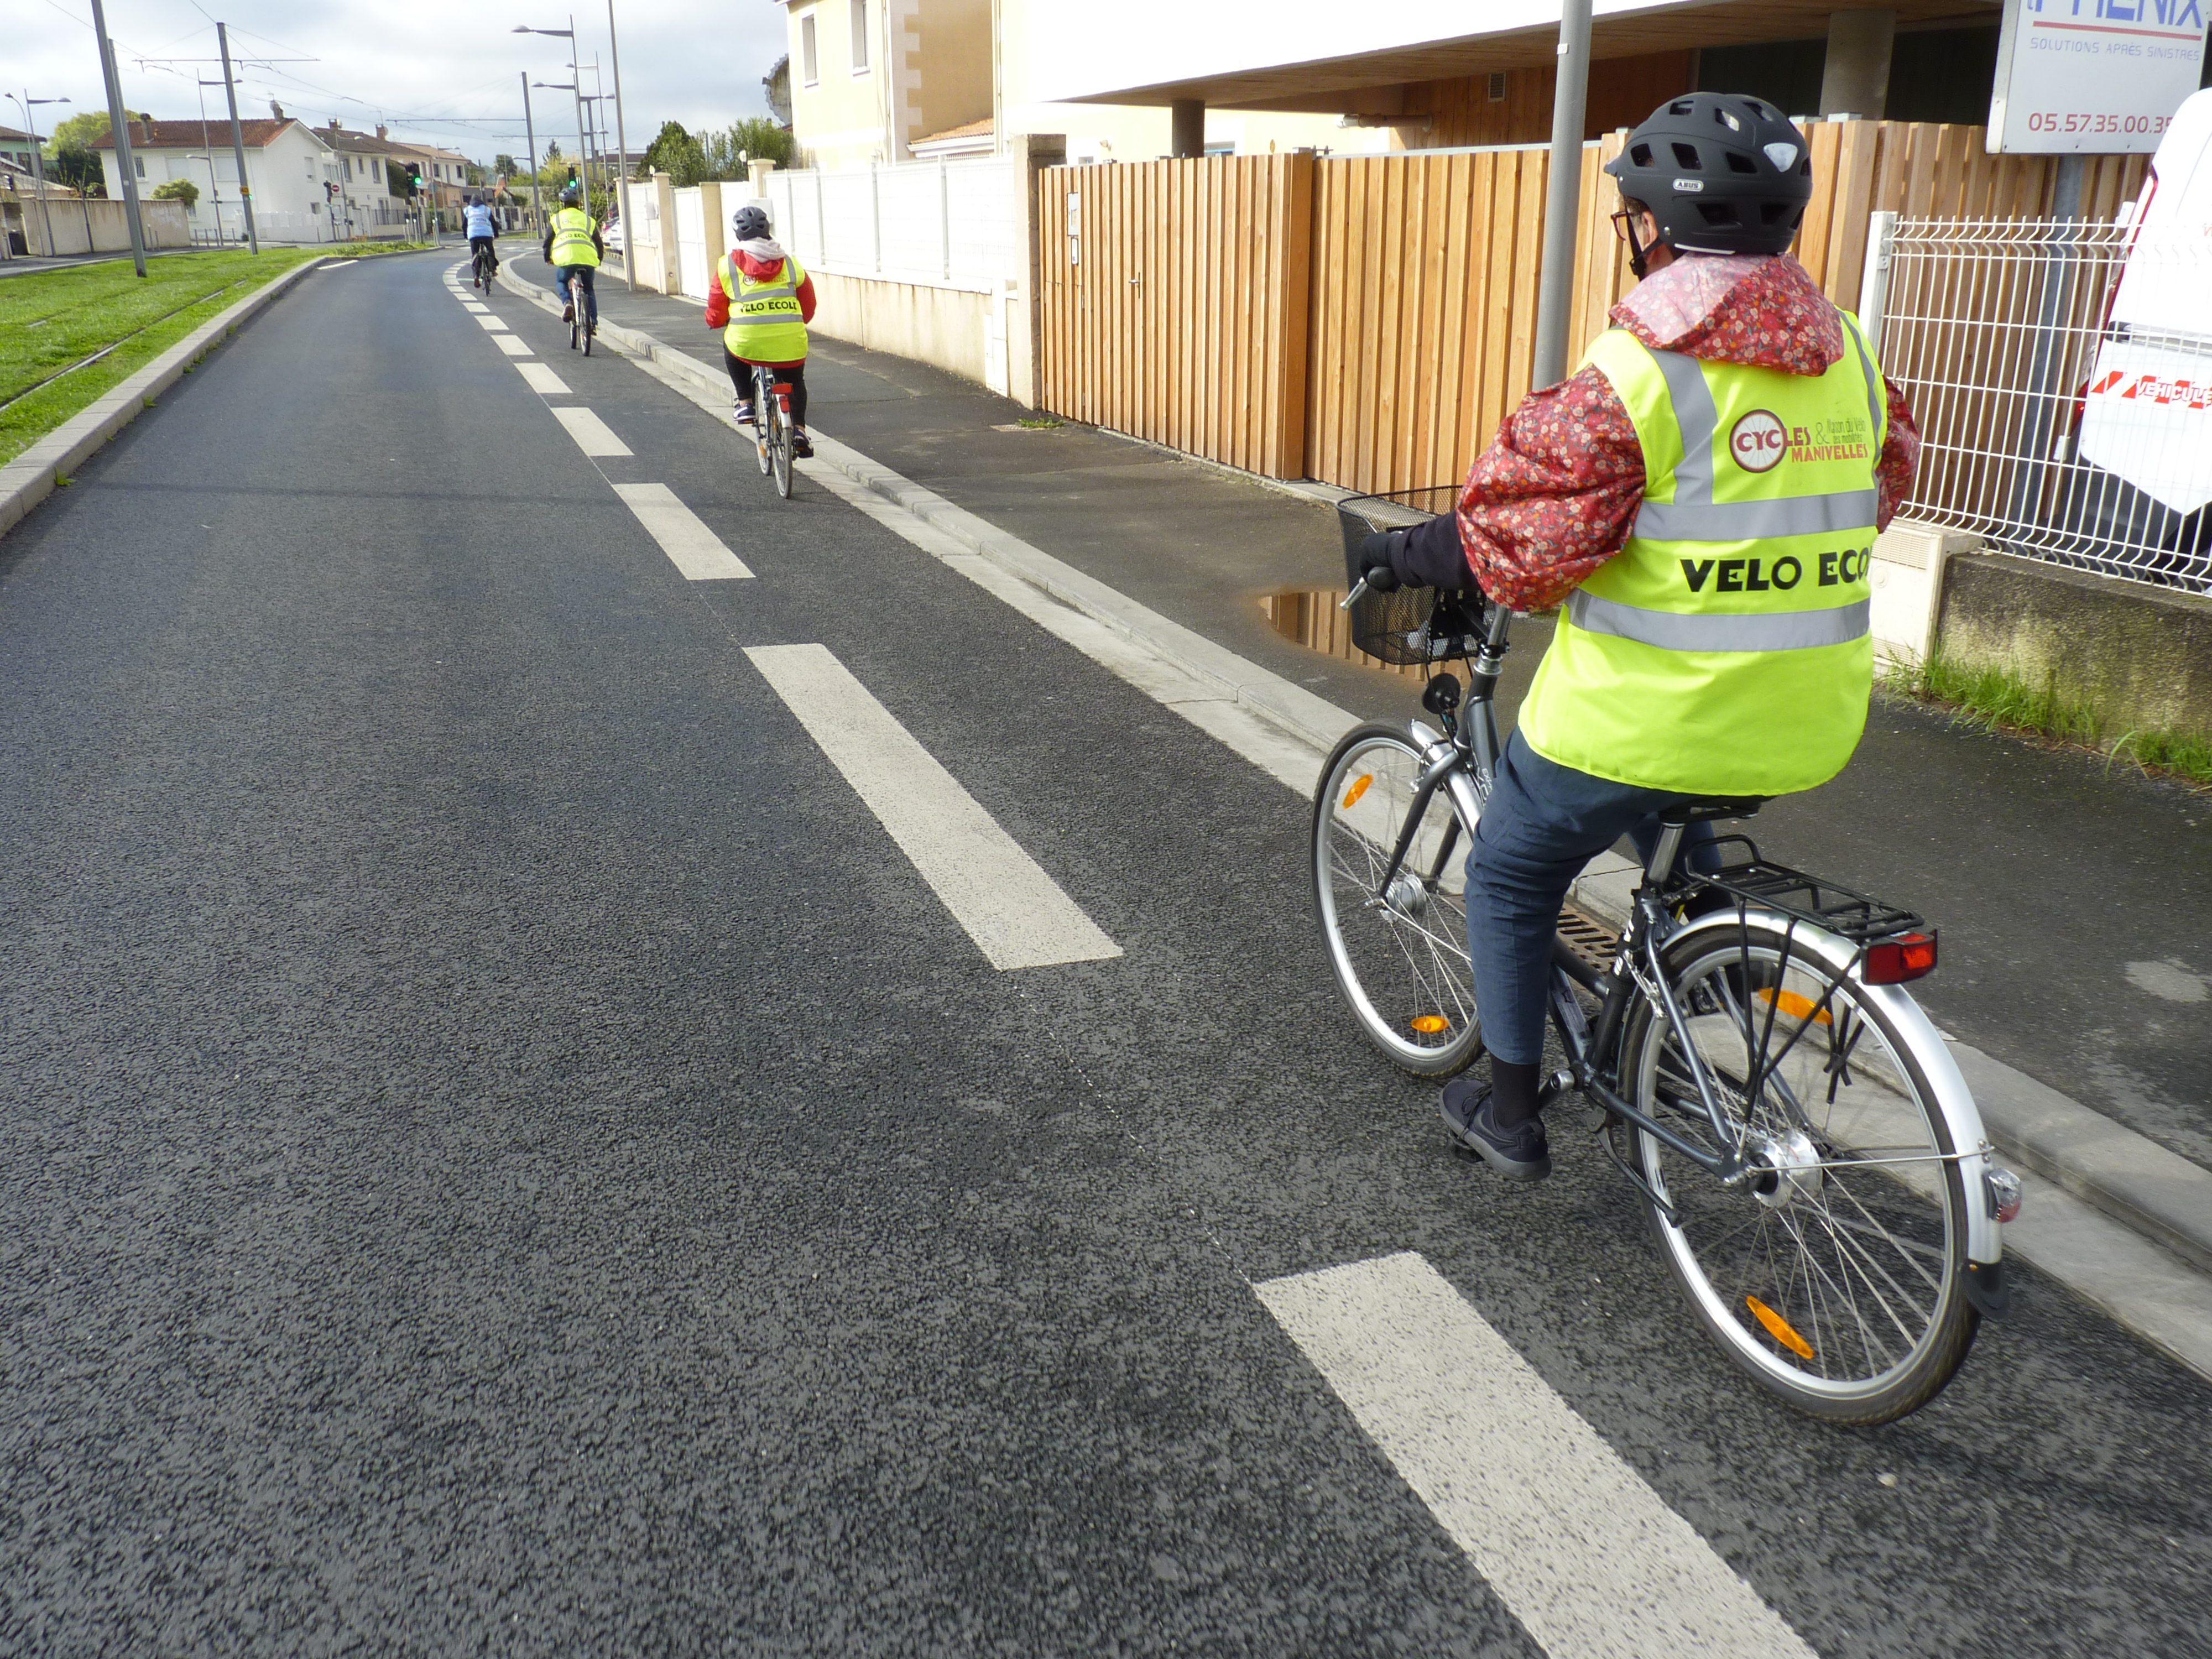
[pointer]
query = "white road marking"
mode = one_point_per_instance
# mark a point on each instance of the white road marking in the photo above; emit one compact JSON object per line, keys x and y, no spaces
{"x":695,"y":549}
{"x":491,"y":325}
{"x":512,"y":346}
{"x":1017,"y":914}
{"x":590,"y":432}
{"x":542,"y":379}
{"x":1587,"y":1556}
{"x":476,"y":307}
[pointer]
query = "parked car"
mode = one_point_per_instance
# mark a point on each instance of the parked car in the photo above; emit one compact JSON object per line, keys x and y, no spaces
{"x":610,"y":236}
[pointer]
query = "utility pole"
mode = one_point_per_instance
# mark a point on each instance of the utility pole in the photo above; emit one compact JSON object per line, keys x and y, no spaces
{"x":621,"y":160}
{"x":119,"y":121}
{"x":583,"y":144}
{"x":1563,"y":195}
{"x":530,"y":137}
{"x":38,"y":168}
{"x":237,"y":138}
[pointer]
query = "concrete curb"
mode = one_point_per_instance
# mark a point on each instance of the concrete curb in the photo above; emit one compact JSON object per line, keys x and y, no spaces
{"x":35,"y":474}
{"x":2131,"y":1179}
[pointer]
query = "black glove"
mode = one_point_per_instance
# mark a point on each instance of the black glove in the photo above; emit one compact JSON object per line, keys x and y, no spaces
{"x":1375,"y":561}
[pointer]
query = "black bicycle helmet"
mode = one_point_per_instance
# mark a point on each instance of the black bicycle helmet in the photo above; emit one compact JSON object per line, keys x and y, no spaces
{"x":569,"y":196}
{"x":749,"y":224}
{"x":1720,"y":173}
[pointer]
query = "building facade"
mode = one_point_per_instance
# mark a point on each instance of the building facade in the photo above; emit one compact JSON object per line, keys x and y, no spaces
{"x":288,"y":168}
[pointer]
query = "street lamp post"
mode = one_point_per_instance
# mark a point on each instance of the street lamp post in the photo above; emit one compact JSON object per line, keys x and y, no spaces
{"x":530,"y":137}
{"x":583,"y":178}
{"x":38,"y":164}
{"x":621,"y":159}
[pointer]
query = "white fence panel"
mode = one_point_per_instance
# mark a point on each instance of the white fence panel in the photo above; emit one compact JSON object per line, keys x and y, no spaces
{"x":691,"y":243}
{"x":932,"y":223}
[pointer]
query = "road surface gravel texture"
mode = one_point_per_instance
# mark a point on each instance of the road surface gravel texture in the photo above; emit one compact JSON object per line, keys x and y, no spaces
{"x":501,"y":1150}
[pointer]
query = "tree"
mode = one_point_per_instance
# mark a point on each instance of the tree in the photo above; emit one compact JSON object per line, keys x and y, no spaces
{"x":676,"y":152}
{"x":777,"y":84}
{"x":757,"y":138}
{"x":76,"y":164}
{"x":504,"y":165}
{"x":399,"y":181}
{"x":179,"y":190}
{"x":553,"y":157}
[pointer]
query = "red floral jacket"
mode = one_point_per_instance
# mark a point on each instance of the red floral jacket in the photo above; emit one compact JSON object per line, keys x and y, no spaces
{"x":1554,"y":496}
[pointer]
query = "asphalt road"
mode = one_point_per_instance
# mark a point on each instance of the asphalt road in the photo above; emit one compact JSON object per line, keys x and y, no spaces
{"x":501,"y":1151}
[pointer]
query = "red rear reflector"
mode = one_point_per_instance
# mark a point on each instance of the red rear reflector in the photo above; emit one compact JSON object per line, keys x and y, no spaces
{"x":1894,"y":961}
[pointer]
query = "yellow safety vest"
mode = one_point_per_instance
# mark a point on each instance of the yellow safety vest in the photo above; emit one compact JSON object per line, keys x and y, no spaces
{"x":766,"y":325}
{"x":1725,"y":649}
{"x":572,"y":238}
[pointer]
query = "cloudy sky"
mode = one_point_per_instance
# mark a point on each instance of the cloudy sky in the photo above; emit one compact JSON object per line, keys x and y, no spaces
{"x":445,"y":73}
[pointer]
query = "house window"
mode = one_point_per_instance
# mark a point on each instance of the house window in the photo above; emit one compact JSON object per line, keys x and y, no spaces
{"x":810,"y":68}
{"x":859,"y":37}
{"x":138,"y":165}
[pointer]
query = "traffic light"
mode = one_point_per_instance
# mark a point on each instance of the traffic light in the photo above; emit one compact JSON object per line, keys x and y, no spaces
{"x":415,"y":180}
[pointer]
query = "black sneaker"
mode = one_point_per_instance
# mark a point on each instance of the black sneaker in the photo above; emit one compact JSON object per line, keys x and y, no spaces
{"x":1522,"y":1153}
{"x":799,"y":445}
{"x":742,"y":413}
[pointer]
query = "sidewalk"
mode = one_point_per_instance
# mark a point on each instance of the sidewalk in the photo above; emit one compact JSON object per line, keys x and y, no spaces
{"x":2075,"y":904}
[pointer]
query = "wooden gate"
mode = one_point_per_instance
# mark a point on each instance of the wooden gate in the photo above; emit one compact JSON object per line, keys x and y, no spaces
{"x":1172,"y":303}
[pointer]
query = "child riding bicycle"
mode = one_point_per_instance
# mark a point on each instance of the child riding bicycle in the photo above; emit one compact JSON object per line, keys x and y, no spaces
{"x":762,"y":301}
{"x":484,"y":258}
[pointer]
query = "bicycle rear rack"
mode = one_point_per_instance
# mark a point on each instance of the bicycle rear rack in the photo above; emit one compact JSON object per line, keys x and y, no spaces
{"x":1813,"y":900}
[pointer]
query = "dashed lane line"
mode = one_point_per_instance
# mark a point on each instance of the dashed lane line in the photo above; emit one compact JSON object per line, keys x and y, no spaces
{"x":694,"y":550}
{"x":592,"y":434}
{"x":542,"y":379}
{"x":1017,"y":914}
{"x":491,"y":325}
{"x":512,"y":345}
{"x":1590,"y":1559}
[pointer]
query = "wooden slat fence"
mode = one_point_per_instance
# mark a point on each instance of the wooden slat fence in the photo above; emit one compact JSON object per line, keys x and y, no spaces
{"x":1173,"y":303}
{"x":1368,"y":321}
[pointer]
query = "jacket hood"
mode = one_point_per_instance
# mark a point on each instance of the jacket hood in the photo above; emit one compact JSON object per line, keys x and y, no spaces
{"x":1761,"y":310}
{"x":760,"y":259}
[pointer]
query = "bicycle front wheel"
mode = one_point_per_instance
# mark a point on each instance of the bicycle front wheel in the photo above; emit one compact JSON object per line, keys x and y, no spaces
{"x":1399,"y":948}
{"x":1835,"y":1274}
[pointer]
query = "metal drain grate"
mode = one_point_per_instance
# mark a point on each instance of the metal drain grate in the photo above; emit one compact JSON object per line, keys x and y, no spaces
{"x":1595,"y":945}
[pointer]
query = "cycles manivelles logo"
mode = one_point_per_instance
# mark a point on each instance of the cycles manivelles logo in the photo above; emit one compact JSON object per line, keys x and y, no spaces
{"x":1758,"y":442}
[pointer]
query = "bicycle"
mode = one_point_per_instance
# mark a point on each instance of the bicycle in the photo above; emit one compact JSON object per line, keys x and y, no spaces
{"x":579,"y":329}
{"x":481,"y":268}
{"x":772,"y":425}
{"x":1810,"y":1162}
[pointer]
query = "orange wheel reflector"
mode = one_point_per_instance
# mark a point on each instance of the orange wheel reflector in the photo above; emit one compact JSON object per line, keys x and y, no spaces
{"x":1430,"y":1025}
{"x":1778,"y":1327}
{"x":1796,"y":1007}
{"x":1358,"y":789}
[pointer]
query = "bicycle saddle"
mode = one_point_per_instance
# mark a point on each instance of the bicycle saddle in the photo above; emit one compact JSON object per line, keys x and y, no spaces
{"x":1709,"y":807}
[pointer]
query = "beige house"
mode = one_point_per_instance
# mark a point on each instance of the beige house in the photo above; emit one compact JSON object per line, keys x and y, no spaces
{"x":887,"y":80}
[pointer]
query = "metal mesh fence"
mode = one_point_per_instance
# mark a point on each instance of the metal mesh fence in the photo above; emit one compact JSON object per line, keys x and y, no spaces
{"x":2062,"y":388}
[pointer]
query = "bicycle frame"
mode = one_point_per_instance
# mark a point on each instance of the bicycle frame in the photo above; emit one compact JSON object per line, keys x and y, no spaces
{"x":1464,"y":760}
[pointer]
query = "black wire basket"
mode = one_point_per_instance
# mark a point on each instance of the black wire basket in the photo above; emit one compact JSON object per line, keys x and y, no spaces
{"x":1407,"y":625}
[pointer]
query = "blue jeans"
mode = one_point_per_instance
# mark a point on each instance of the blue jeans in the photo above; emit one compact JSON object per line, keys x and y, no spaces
{"x":581,"y":276}
{"x":1542,"y":823}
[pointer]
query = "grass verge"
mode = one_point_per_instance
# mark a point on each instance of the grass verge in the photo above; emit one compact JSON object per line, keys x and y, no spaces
{"x":53,"y":320}
{"x":1997,"y":700}
{"x":370,"y":250}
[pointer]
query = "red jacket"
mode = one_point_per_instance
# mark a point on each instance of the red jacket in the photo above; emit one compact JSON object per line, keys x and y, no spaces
{"x":718,"y":303}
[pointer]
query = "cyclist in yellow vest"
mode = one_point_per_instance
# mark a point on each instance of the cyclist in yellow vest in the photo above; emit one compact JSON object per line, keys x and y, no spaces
{"x":573,"y":248}
{"x":763,"y":301}
{"x":1700,"y":499}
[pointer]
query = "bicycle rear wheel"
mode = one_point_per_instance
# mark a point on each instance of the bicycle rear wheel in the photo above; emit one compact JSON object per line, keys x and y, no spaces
{"x":590,"y":329}
{"x":1835,"y":1275}
{"x":782,"y":446}
{"x":1399,"y":951}
{"x":763,"y":420}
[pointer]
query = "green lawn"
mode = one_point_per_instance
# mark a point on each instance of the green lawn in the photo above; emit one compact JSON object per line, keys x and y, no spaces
{"x":53,"y":318}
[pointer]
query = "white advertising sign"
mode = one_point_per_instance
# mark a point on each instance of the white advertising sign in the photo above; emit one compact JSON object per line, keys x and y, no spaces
{"x":2097,"y":77}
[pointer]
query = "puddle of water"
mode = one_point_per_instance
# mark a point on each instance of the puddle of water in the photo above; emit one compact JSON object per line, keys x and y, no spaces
{"x":1309,"y":617}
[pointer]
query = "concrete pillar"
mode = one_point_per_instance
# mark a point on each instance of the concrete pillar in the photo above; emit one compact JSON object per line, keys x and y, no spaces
{"x":1035,"y":151}
{"x":1187,"y":127}
{"x":1855,"y":79}
{"x":666,"y":280}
